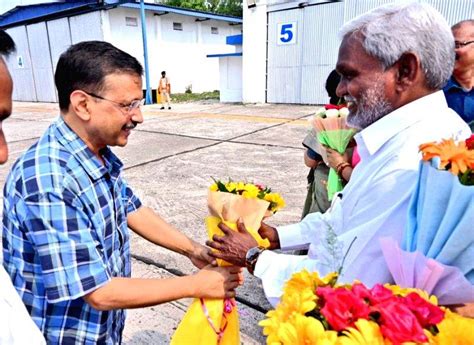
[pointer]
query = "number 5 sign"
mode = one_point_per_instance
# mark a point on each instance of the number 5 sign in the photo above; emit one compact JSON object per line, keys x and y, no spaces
{"x":286,"y":33}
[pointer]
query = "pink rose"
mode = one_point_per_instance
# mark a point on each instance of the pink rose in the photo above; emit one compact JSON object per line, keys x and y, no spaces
{"x":341,"y":307}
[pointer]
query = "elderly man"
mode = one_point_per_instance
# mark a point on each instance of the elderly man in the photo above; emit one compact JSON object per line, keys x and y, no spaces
{"x":16,"y":326}
{"x":67,"y":210}
{"x":393,"y":61}
{"x":459,"y":91}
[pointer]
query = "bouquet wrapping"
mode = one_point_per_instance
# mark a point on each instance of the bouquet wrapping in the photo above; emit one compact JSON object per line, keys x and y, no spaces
{"x":437,"y":250}
{"x":332,"y":131}
{"x":315,"y":310}
{"x":216,"y":321}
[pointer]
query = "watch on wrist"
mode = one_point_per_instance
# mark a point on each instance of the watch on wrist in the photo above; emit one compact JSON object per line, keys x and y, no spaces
{"x":251,"y":258}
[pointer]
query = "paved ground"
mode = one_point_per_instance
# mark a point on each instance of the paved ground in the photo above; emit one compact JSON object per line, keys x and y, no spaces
{"x":169,"y":162}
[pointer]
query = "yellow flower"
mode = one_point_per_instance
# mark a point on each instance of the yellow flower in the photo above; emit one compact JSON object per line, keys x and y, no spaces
{"x":366,"y":333}
{"x":231,"y":186}
{"x":306,"y":280}
{"x":240,"y":186}
{"x":213,"y":187}
{"x":302,"y":301}
{"x":275,"y":200}
{"x":453,"y":330}
{"x":304,"y":330}
{"x":250,"y":191}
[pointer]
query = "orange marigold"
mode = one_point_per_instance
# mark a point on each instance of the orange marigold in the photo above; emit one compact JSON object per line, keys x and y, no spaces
{"x":450,"y":153}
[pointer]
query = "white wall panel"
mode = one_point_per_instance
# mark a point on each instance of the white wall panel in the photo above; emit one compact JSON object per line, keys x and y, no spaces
{"x":41,"y":62}
{"x":320,"y":49}
{"x":86,"y":27}
{"x":59,"y":38}
{"x":284,"y":60}
{"x":23,"y":82}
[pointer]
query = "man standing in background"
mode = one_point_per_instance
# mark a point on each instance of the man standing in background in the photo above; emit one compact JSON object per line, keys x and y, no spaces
{"x":164,"y":89}
{"x":459,"y":90}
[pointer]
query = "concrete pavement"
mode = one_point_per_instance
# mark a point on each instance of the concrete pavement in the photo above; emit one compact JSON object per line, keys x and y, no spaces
{"x":169,"y":162}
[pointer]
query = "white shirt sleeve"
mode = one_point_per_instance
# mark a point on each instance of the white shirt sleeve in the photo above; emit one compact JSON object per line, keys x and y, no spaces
{"x":16,"y":325}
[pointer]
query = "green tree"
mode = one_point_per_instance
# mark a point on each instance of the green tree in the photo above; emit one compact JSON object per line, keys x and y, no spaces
{"x":227,"y":7}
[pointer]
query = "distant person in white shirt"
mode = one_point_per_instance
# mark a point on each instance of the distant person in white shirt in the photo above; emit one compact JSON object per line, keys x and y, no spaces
{"x":16,"y":325}
{"x":164,"y":89}
{"x":393,"y":61}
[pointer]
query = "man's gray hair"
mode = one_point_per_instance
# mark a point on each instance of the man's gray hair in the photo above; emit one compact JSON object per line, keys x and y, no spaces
{"x":392,"y":30}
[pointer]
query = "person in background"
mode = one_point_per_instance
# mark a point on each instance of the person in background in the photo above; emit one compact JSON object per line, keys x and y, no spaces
{"x":459,"y":90}
{"x":164,"y":90}
{"x":16,"y":325}
{"x":68,"y":210}
{"x":317,"y":196}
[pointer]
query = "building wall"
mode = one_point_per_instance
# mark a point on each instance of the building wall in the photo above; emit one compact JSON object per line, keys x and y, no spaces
{"x":296,"y":73}
{"x":254,"y":56}
{"x":39,"y":46}
{"x":181,"y":53}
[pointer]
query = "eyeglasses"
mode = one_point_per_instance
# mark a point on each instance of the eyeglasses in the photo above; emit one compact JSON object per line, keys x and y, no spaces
{"x":125,"y":107}
{"x":458,"y":44}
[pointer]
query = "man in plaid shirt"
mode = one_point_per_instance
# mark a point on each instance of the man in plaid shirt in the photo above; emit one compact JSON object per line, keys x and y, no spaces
{"x":67,"y":210}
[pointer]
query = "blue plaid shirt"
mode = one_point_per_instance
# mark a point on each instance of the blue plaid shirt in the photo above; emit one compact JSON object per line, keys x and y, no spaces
{"x":461,"y":101}
{"x":65,"y":234}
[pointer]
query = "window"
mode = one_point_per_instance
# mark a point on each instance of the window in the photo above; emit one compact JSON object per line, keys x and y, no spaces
{"x":177,"y":26}
{"x":131,"y":21}
{"x":214,"y":30}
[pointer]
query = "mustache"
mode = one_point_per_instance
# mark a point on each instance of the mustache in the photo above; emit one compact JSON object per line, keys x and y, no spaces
{"x":348,"y":98}
{"x":130,"y":125}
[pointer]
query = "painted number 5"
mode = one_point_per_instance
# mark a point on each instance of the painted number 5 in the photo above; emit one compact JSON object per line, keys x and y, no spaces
{"x":287,"y":32}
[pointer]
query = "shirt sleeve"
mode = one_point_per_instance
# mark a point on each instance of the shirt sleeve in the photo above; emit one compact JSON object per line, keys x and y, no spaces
{"x":66,"y":243}
{"x":300,"y":235}
{"x":131,"y":200}
{"x":275,"y":269}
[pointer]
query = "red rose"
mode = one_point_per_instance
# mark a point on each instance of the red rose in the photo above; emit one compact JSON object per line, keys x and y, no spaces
{"x":427,"y":314}
{"x":380,"y":294}
{"x":341,"y":307}
{"x":470,"y":142}
{"x":332,"y":106}
{"x":398,"y":324}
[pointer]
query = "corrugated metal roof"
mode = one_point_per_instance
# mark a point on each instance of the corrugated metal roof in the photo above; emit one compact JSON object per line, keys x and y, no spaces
{"x":29,"y":14}
{"x":35,"y":13}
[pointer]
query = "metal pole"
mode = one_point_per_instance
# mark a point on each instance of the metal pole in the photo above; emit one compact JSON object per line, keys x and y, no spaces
{"x":148,"y":98}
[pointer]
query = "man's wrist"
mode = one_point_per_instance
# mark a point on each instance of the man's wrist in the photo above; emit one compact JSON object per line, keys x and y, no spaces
{"x":251,"y":258}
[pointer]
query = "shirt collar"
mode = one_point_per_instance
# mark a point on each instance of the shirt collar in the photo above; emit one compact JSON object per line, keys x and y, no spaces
{"x":78,"y":148}
{"x":452,"y":83}
{"x":381,"y":131}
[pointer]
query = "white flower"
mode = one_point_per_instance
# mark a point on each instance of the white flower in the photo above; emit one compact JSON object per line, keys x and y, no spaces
{"x":343,"y":111}
{"x":332,"y":113}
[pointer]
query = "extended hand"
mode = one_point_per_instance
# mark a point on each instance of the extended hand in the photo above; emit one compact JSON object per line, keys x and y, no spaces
{"x":270,"y":233}
{"x":233,"y":246}
{"x":216,"y":282}
{"x":335,"y":158}
{"x":201,"y":257}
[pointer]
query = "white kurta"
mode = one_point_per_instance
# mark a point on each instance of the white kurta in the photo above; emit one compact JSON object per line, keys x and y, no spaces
{"x":16,"y":325}
{"x":374,"y":203}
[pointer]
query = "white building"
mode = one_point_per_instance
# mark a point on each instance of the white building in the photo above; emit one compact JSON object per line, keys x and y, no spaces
{"x":178,"y":41}
{"x":291,"y":46}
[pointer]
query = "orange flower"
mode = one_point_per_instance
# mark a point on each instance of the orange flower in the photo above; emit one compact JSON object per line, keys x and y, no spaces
{"x":450,"y":153}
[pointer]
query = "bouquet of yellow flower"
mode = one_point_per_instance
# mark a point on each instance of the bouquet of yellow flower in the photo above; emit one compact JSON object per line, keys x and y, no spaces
{"x":315,"y":310}
{"x":214,"y":321}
